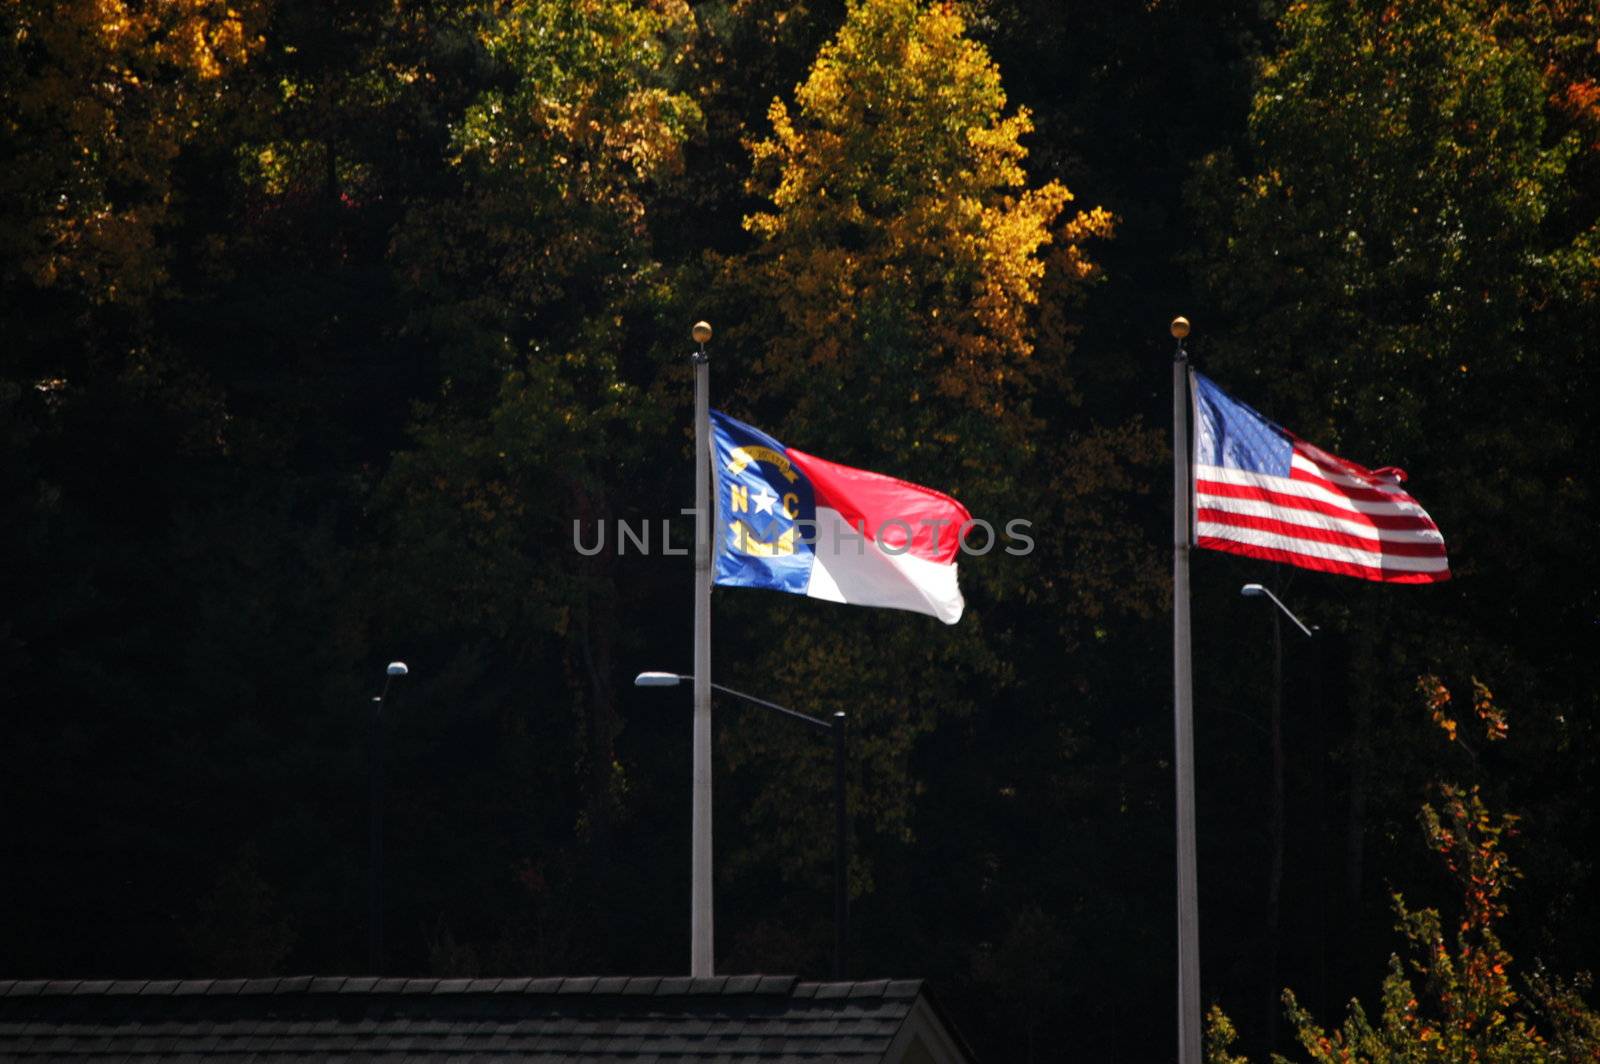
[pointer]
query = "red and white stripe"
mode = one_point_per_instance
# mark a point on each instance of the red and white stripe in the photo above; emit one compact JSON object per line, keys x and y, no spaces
{"x":1329,"y":514}
{"x":882,"y":541}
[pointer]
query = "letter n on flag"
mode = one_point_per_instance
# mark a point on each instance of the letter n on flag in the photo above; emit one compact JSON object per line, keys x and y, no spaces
{"x":1261,"y":491}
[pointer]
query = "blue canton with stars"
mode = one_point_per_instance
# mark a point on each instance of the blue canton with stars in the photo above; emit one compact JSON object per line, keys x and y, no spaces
{"x":762,"y":498}
{"x":1234,"y":436}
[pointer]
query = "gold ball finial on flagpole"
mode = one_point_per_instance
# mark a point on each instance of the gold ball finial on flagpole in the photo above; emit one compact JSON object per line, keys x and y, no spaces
{"x":1180,"y":327}
{"x":701,"y":331}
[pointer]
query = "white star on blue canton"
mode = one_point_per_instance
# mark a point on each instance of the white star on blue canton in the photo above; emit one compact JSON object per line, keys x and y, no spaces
{"x":764,"y":500}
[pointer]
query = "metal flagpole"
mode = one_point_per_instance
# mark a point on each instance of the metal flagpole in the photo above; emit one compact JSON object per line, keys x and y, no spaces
{"x":1183,"y":714}
{"x":700,"y":926}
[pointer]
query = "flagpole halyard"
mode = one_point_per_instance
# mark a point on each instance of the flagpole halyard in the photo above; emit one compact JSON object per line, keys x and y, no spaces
{"x":1183,"y":714}
{"x":701,"y":963}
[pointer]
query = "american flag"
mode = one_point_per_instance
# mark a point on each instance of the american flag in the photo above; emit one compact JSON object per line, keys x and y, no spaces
{"x":1261,"y":491}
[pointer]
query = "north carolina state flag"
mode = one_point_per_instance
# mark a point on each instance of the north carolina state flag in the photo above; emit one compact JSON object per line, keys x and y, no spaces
{"x":793,"y":522}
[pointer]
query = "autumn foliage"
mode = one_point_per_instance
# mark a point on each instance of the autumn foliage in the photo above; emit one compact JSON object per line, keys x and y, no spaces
{"x":1454,"y":996}
{"x":900,"y":223}
{"x":102,"y":96}
{"x":323,"y":323}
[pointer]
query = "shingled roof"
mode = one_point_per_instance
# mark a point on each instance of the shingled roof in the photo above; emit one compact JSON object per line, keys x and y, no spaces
{"x":342,"y":1020}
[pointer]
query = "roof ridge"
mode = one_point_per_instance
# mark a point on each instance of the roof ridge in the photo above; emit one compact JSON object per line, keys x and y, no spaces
{"x":860,"y":988}
{"x":459,"y":1021}
{"x":654,"y":985}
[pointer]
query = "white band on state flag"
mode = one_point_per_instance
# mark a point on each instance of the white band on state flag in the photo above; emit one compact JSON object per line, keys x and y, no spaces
{"x":848,"y":567}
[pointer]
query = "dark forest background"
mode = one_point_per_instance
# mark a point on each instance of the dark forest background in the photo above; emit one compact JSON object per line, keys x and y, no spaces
{"x":322,"y":322}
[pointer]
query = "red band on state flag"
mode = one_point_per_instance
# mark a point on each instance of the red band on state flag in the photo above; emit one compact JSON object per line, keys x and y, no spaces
{"x":888,"y":506}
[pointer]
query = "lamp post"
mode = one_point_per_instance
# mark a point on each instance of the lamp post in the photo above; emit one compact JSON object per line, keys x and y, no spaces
{"x":835,"y":727}
{"x":375,"y":794}
{"x":1275,"y":815}
{"x":1258,"y":591}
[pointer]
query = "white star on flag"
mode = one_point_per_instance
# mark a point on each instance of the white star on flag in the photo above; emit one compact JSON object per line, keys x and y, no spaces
{"x":764,"y":500}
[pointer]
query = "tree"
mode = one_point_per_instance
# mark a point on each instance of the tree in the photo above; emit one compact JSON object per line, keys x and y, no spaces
{"x":891,"y":307}
{"x":1466,"y":1006}
{"x":531,"y":282}
{"x":898,"y":243}
{"x":1401,"y":259}
{"x":99,"y":100}
{"x":1401,"y":238}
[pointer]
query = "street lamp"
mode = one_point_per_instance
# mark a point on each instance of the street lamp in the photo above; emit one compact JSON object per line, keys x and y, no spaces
{"x":375,"y":794}
{"x":1276,"y":815}
{"x":836,"y":727}
{"x":1257,"y":591}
